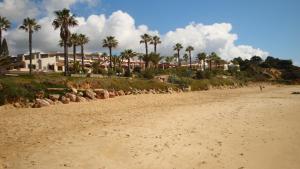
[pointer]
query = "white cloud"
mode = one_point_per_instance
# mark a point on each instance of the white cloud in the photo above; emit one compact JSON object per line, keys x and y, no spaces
{"x":16,"y":10}
{"x":216,"y":37}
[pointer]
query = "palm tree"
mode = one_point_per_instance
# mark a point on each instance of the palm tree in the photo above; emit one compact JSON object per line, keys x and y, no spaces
{"x":190,"y":49}
{"x":186,"y":58}
{"x":128,"y":54}
{"x":155,"y":41}
{"x":74,"y":41}
{"x":213,"y":57}
{"x":169,"y":59}
{"x":110,"y":42}
{"x":82,"y":40}
{"x":30,"y":25}
{"x":146,"y":39}
{"x":64,"y":20}
{"x":155,"y":59}
{"x":4,"y":25}
{"x":177,"y":48}
{"x":201,"y":57}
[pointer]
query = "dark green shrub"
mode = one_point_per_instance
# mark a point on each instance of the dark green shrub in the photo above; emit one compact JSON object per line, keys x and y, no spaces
{"x":148,"y":74}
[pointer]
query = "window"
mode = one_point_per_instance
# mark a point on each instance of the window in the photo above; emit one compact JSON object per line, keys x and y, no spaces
{"x":59,"y":68}
{"x":33,"y":66}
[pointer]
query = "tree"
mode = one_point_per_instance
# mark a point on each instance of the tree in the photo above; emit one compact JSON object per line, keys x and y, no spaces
{"x":201,"y":57}
{"x":110,"y":42}
{"x":189,"y":49}
{"x":4,"y":25}
{"x":155,"y":41}
{"x":186,"y":57}
{"x":30,"y":25}
{"x":212,"y":58}
{"x":169,"y":59}
{"x":4,"y":49}
{"x":145,"y":40}
{"x":256,"y":60}
{"x":155,"y":59}
{"x":177,"y":48}
{"x":64,"y":20}
{"x":128,"y":54}
{"x":74,"y":41}
{"x":82,"y":40}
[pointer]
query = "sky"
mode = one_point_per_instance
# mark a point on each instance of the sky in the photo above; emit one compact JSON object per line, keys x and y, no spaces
{"x":231,"y":28}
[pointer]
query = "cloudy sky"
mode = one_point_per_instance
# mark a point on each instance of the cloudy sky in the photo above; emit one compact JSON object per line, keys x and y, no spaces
{"x":229,"y":27}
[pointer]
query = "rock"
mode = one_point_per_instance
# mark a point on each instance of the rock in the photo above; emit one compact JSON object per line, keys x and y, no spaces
{"x":112,"y":94}
{"x":121,"y":93}
{"x":90,"y":94}
{"x":40,"y":94}
{"x":40,"y":103}
{"x":54,"y":97}
{"x":80,"y":99}
{"x":74,"y":90}
{"x":170,"y":90}
{"x":49,"y":101}
{"x":128,"y":93}
{"x":65,"y":100}
{"x":101,"y":93}
{"x":17,"y":105}
{"x":71,"y":96}
{"x":80,"y":94}
{"x":187,"y":89}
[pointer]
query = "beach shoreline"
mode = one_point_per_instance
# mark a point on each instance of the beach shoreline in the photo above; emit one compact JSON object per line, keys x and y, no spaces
{"x":230,"y":128}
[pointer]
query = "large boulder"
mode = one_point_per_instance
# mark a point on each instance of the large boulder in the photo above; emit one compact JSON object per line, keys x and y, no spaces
{"x":121,"y":93}
{"x":90,"y":94}
{"x":74,"y":90}
{"x":49,"y":101}
{"x":54,"y":97}
{"x":101,"y":93}
{"x":80,"y":99}
{"x":65,"y":100}
{"x":112,"y":94}
{"x":71,"y":96}
{"x":41,"y":103}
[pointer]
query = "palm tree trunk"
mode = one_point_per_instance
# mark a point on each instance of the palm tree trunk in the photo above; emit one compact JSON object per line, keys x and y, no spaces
{"x":82,"y":57}
{"x":190,"y":60}
{"x":155,"y":48}
{"x":74,"y":55}
{"x":128,"y":64}
{"x":30,"y":52}
{"x":147,"y":62}
{"x":210,"y":65}
{"x":66,"y":57}
{"x":110,"y":64}
{"x":203,"y":65}
{"x":0,"y":39}
{"x":178,"y":53}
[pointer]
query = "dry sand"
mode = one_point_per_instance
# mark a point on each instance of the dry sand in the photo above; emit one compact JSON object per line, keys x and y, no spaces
{"x":231,"y":129}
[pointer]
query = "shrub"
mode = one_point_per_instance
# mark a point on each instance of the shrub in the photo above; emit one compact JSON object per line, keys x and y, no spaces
{"x":148,"y":74}
{"x":111,"y":72}
{"x":182,"y":82}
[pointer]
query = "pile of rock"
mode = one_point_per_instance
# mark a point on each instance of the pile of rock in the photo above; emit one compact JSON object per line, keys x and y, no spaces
{"x":77,"y":95}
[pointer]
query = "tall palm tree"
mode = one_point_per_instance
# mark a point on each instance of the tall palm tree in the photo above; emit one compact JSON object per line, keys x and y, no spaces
{"x":82,"y":40}
{"x":190,"y":49}
{"x":30,"y":25}
{"x":201,"y":57}
{"x":155,"y":41}
{"x":110,"y":42}
{"x":74,"y":41}
{"x":145,"y":40}
{"x":4,"y":25}
{"x":64,"y":20}
{"x":177,"y":48}
{"x":128,"y":54}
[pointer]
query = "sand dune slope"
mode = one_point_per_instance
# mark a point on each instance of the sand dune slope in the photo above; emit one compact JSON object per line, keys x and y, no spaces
{"x":230,"y":129}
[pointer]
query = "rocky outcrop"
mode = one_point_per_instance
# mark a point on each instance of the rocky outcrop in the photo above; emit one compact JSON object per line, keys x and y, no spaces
{"x":41,"y":103}
{"x":101,"y":93}
{"x":71,"y":96}
{"x":39,"y":94}
{"x":65,"y":100}
{"x":90,"y":94}
{"x":80,"y":99}
{"x":54,"y":97}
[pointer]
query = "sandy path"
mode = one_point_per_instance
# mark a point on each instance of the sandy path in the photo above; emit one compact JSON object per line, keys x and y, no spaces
{"x":231,"y":129}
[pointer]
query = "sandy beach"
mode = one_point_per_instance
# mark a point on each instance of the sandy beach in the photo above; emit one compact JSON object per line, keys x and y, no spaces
{"x":217,"y":129}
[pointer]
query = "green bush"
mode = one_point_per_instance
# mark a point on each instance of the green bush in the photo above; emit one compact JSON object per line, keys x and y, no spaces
{"x":148,"y":74}
{"x":181,"y":82}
